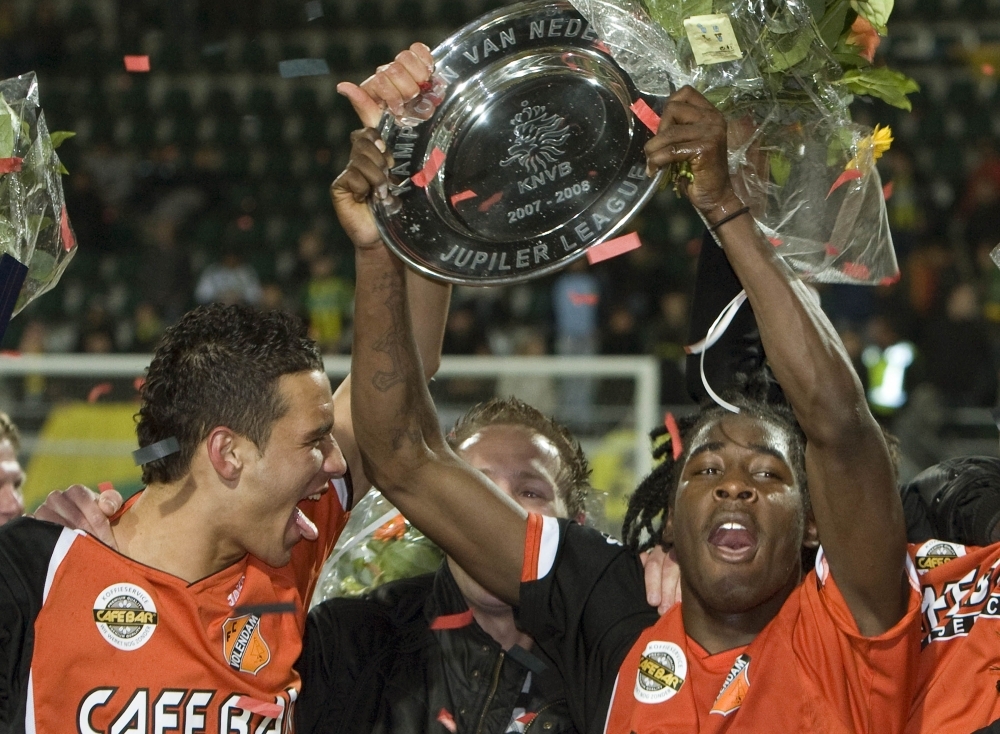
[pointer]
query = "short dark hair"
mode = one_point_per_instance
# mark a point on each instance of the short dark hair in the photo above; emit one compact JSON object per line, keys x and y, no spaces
{"x":219,"y":366}
{"x":574,"y":478}
{"x":758,"y":396}
{"x":9,"y":432}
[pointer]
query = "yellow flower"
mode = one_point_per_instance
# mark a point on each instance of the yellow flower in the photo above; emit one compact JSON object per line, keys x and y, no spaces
{"x":871,"y":148}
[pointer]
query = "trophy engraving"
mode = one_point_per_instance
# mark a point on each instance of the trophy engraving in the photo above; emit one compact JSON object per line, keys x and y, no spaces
{"x":542,"y":157}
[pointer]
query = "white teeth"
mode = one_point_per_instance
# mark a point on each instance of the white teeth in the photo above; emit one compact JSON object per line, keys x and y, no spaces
{"x":731,"y":526}
{"x":315,"y":497}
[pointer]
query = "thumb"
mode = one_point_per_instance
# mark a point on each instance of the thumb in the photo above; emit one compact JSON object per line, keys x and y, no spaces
{"x":109,"y":502}
{"x":367,"y":109}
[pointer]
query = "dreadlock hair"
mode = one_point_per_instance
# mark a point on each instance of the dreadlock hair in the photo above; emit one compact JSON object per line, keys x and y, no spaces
{"x":757,"y":395}
{"x":573,"y":481}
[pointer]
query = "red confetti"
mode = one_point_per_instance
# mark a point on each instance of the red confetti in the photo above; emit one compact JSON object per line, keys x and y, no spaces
{"x":527,"y":718}
{"x":613,"y":248}
{"x":775,"y":241}
{"x":9,"y":353}
{"x":270,"y":710}
{"x":452,"y":621}
{"x":97,"y":391}
{"x":856,"y":270}
{"x":138,"y":383}
{"x":987,"y":70}
{"x":582,"y":299}
{"x":831,"y":250}
{"x":645,"y":114}
{"x":10,"y":165}
{"x":426,"y":86}
{"x":137,"y":63}
{"x":105,"y":487}
{"x":447,"y":720}
{"x":603,"y":47}
{"x":852,"y":175}
{"x":488,"y":204}
{"x":890,"y":279}
{"x":462,"y":196}
{"x":430,"y":170}
{"x":670,"y":423}
{"x":888,"y":189}
{"x":68,"y":240}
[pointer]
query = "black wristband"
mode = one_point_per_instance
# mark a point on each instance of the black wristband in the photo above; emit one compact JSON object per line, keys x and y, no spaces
{"x":731,"y":217}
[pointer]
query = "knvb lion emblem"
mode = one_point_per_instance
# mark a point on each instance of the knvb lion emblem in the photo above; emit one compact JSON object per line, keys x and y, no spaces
{"x":537,"y":137}
{"x":243,"y":645}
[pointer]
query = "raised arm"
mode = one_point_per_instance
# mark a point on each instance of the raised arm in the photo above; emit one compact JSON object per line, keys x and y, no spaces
{"x":390,"y":87}
{"x":395,"y":423}
{"x":851,"y":483}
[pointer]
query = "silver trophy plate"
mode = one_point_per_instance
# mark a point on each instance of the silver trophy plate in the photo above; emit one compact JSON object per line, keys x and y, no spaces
{"x":534,"y":151}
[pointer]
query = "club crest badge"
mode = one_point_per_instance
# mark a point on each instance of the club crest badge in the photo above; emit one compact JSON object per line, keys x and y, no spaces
{"x":734,"y":690}
{"x":243,"y":645}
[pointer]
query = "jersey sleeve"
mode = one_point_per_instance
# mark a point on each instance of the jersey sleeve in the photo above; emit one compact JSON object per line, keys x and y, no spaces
{"x":330,"y":514}
{"x":872,"y":678}
{"x":583,"y":599}
{"x":26,"y":548}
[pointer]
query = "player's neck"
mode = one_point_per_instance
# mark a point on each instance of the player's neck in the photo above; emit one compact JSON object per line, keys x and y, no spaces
{"x":495,"y":617}
{"x":717,"y":631}
{"x":169,"y":528}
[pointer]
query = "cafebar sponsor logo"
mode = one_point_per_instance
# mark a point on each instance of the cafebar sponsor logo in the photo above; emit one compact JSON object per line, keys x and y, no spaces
{"x":125,"y":616}
{"x":662,"y":670}
{"x":734,"y":690}
{"x":934,"y":553}
{"x":242,"y":644}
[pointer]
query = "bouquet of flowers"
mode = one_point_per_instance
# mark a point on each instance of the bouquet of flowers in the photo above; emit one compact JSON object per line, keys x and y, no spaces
{"x":783,"y":72}
{"x":34,"y":225}
{"x":377,"y":546}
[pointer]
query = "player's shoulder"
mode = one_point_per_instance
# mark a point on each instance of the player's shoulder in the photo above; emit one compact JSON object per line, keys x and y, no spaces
{"x":27,"y":540}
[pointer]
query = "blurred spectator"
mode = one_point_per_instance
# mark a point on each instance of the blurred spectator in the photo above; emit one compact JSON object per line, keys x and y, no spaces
{"x":621,"y":335}
{"x":965,"y":372}
{"x":887,"y":361}
{"x":11,"y":473}
{"x":97,"y":330}
{"x":666,"y":341}
{"x":329,"y":300}
{"x":164,"y":277}
{"x":229,"y":281}
{"x":147,"y":328}
{"x":33,"y":342}
{"x":463,"y":334}
{"x":575,"y":300}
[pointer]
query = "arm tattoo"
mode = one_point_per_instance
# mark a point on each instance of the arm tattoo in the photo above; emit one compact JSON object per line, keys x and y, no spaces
{"x":392,"y":341}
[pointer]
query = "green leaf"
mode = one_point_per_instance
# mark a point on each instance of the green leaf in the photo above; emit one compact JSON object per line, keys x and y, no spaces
{"x":888,"y":85}
{"x":833,"y":22}
{"x":851,"y":60}
{"x":62,"y":169}
{"x":61,"y":136}
{"x":781,"y":168}
{"x":816,"y":8}
{"x":841,"y":143}
{"x":6,"y":135}
{"x":671,"y":14}
{"x":786,"y":51}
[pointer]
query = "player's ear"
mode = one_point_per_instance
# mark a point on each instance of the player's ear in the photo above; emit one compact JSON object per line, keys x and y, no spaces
{"x":224,"y":454}
{"x":810,"y":538}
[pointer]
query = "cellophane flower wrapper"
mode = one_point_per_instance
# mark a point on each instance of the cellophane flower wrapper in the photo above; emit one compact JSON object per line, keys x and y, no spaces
{"x":34,"y":225}
{"x":790,"y":130}
{"x":377,"y":546}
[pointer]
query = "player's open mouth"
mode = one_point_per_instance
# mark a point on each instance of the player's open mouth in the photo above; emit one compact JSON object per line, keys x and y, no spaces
{"x":734,"y":539}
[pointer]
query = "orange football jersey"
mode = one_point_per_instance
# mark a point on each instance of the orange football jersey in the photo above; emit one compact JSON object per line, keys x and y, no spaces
{"x":121,"y":647}
{"x":808,"y":670}
{"x":958,"y":685}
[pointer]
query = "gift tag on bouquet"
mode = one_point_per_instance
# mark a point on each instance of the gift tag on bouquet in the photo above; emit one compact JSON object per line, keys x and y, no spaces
{"x":712,"y":39}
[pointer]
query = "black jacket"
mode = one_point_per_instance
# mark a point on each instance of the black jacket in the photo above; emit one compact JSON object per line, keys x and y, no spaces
{"x":374,"y":665}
